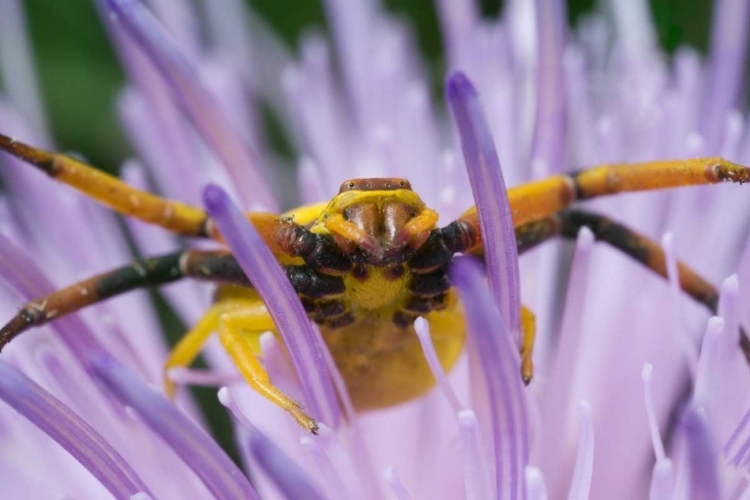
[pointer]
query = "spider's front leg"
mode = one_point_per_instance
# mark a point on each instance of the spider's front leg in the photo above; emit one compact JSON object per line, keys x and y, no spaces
{"x":111,"y":192}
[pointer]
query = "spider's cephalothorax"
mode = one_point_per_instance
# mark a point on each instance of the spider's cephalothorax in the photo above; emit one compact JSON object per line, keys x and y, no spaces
{"x":364,"y":265}
{"x":380,"y":225}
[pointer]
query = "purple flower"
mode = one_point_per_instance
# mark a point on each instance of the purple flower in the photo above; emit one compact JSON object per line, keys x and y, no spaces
{"x":636,"y":391}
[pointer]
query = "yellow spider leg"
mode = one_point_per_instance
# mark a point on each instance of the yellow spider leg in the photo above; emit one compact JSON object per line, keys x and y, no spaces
{"x":536,"y":200}
{"x":244,"y":302}
{"x":528,"y":325}
{"x":416,"y":231}
{"x":230,"y":324}
{"x":189,"y":346}
{"x":172,"y":215}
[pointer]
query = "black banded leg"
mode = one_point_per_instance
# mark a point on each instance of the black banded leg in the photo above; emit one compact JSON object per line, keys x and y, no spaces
{"x":216,"y":266}
{"x":567,"y":223}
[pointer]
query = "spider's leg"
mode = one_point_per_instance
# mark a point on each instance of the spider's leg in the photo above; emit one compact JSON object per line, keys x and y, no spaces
{"x":567,"y":223}
{"x":149,"y":272}
{"x":228,"y":299}
{"x":232,"y":327}
{"x":174,"y":216}
{"x":189,"y":346}
{"x":536,"y":200}
{"x":528,"y":326}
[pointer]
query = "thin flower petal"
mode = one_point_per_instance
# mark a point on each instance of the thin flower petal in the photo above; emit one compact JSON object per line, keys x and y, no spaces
{"x":69,"y":431}
{"x":548,"y":146}
{"x":725,"y":68}
{"x":488,"y":187}
{"x":284,"y":473}
{"x":394,"y":483}
{"x":265,"y":273}
{"x":702,"y":474}
{"x":290,"y":480}
{"x":476,"y":470}
{"x":196,"y":101}
{"x":580,"y":485}
{"x":499,"y":364}
{"x":536,"y":489}
{"x":220,"y":475}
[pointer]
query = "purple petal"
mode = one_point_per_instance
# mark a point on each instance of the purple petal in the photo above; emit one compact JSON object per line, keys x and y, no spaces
{"x":725,"y":68}
{"x":17,"y":70}
{"x":220,"y":475}
{"x":195,"y":100}
{"x":69,"y":431}
{"x":500,"y":368}
{"x":422,"y":328}
{"x":702,"y":473}
{"x":476,"y":470}
{"x":284,"y":473}
{"x":580,"y":485}
{"x":548,"y":146}
{"x":304,"y":345}
{"x":488,"y":187}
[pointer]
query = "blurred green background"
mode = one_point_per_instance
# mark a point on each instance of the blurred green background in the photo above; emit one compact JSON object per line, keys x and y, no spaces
{"x":80,"y":79}
{"x":80,"y":75}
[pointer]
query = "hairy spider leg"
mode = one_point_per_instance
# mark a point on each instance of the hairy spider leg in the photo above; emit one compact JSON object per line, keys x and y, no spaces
{"x":642,"y":249}
{"x":174,"y":216}
{"x":536,"y":200}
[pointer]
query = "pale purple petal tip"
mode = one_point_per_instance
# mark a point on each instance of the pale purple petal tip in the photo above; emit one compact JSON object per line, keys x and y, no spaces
{"x":501,"y":371}
{"x":303,"y":343}
{"x":220,"y":475}
{"x":488,"y":187}
{"x":69,"y":431}
{"x":580,"y":485}
{"x":288,"y":478}
{"x":198,"y":104}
